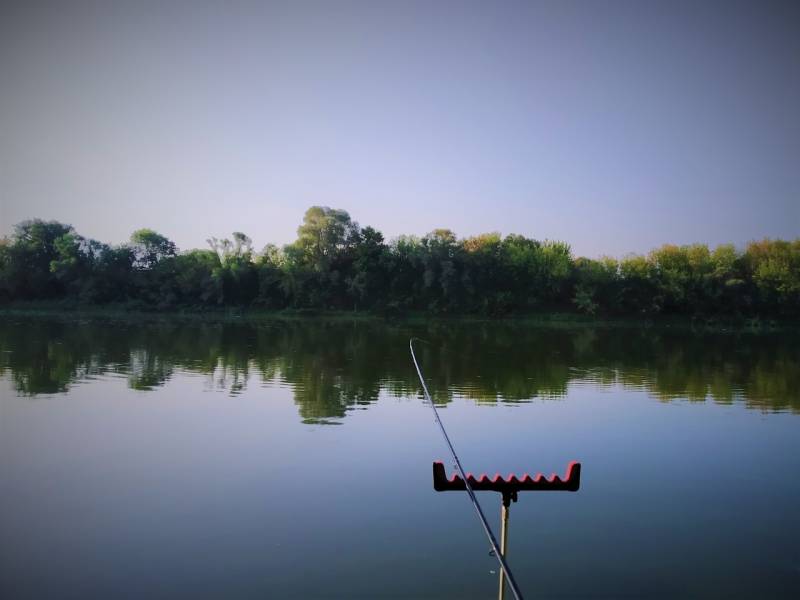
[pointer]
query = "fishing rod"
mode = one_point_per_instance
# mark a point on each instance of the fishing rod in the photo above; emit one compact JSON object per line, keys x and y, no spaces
{"x":492,"y":540}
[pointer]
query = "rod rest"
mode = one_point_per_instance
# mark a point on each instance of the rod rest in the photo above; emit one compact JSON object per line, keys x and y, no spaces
{"x":510,"y":486}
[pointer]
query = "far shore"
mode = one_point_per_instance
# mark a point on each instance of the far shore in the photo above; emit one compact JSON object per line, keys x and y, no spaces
{"x":544,"y":318}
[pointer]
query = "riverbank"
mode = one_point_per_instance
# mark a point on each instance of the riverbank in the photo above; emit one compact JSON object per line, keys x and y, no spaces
{"x":549,"y":319}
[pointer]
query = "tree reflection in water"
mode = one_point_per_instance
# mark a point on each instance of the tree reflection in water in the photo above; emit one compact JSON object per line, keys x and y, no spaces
{"x":334,"y":366}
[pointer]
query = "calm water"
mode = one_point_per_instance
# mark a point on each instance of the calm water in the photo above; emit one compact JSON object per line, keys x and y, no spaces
{"x":293,"y":459}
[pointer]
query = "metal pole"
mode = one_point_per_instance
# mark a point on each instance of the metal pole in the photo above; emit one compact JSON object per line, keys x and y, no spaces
{"x":504,"y":510}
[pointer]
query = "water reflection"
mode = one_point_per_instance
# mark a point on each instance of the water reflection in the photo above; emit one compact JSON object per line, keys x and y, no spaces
{"x":335,"y":366}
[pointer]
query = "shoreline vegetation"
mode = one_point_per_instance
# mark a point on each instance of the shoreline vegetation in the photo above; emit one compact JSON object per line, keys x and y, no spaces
{"x":69,"y":311}
{"x":338,"y":269}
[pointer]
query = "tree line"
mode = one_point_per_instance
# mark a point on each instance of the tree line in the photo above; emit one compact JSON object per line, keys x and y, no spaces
{"x":336,"y":264}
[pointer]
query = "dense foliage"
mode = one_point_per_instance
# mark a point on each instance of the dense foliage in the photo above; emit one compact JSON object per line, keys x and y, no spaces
{"x":336,"y":264}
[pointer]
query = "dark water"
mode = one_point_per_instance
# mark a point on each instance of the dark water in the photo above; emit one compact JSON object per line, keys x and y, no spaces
{"x":293,"y":459}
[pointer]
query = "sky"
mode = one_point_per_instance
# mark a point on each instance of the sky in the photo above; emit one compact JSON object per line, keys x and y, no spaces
{"x":614,"y":126}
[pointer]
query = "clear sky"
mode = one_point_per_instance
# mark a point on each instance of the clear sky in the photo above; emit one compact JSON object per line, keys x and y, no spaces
{"x":615,"y":126}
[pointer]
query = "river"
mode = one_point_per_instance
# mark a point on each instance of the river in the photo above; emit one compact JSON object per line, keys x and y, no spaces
{"x":292,"y":458}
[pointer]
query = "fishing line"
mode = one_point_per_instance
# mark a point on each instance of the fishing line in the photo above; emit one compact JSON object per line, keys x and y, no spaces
{"x":492,"y":540}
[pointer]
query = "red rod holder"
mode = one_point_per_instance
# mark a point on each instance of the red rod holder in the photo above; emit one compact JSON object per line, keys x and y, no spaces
{"x":510,"y":486}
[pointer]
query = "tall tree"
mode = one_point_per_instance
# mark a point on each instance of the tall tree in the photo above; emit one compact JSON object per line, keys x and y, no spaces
{"x":32,"y":252}
{"x":149,"y":247}
{"x":325,"y":232}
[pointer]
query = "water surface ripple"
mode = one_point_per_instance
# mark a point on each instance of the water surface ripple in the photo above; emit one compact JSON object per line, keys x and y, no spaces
{"x":168,"y":459}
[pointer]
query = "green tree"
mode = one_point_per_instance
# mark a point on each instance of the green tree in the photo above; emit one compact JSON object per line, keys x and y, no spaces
{"x":236,"y":273}
{"x":485,"y":286}
{"x":441,"y":277}
{"x":325,"y":233}
{"x":370,"y":268}
{"x":195,"y":280}
{"x":638,"y":290}
{"x":149,"y":247}
{"x":113,"y":275}
{"x":596,"y":284}
{"x":76,"y":265}
{"x":270,"y":265}
{"x":29,"y":257}
{"x":774,"y":266}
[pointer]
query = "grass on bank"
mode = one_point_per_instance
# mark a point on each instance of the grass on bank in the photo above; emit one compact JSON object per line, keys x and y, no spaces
{"x":137,"y":312}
